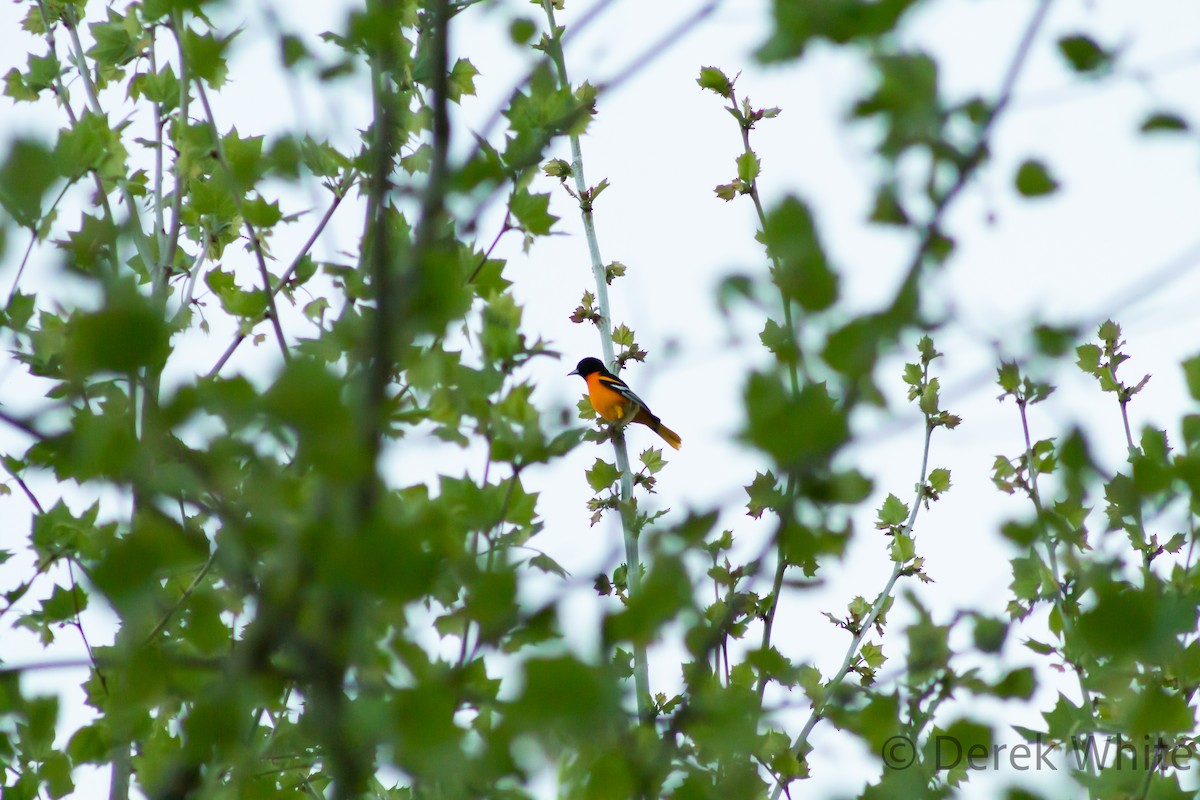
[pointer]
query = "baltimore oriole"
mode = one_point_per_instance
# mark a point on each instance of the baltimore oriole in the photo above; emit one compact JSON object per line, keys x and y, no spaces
{"x":616,"y":402}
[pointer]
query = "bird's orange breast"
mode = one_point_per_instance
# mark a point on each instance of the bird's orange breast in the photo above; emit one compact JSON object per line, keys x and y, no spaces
{"x":609,"y":404}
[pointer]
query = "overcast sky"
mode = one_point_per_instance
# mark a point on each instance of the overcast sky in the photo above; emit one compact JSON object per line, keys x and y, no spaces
{"x":1120,"y":238}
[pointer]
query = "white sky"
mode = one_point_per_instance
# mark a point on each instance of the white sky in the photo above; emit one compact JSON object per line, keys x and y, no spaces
{"x":1126,"y":211}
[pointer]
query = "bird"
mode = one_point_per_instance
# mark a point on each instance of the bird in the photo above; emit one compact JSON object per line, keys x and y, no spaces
{"x":615,"y":402}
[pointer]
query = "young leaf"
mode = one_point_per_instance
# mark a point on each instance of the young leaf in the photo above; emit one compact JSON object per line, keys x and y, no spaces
{"x":602,"y":475}
{"x":715,"y":80}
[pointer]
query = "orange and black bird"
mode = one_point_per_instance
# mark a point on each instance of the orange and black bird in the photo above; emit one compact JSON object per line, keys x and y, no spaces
{"x":615,"y":401}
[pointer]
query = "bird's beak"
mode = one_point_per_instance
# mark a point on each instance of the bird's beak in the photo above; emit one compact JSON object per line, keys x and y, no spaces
{"x":573,"y":372}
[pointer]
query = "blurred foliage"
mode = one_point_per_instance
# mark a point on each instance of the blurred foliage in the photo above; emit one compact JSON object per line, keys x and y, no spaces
{"x":289,"y":623}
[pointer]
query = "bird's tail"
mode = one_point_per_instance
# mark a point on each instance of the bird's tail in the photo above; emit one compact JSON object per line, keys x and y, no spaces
{"x":669,"y":436}
{"x":655,"y":424}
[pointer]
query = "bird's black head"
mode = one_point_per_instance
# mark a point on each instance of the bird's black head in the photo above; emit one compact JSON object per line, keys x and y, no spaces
{"x":587,"y":366}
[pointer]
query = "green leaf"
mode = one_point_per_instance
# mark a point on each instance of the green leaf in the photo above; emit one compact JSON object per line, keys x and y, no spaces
{"x":1067,"y":719}
{"x":797,"y":24}
{"x":90,"y":745}
{"x":747,"y":166}
{"x":1164,"y":122}
{"x":27,"y":174}
{"x":129,"y":569}
{"x":652,"y":460}
{"x":903,"y":548}
{"x":906,"y":101}
{"x":55,"y":772}
{"x":1191,"y":373}
{"x":666,"y":591}
{"x":557,"y":168}
{"x":1008,"y":375}
{"x":308,"y":398}
{"x":928,"y":648}
{"x":803,"y":273}
{"x":1040,"y":648}
{"x":260,"y":213}
{"x":772,"y":420}
{"x":532,"y":212}
{"x":888,"y":209}
{"x":873,"y":654}
{"x":1152,"y":712}
{"x":914,"y":376}
{"x":894,"y":511}
{"x":1018,"y":684}
{"x":1136,"y":624}
{"x":90,"y":145}
{"x":1027,"y":577}
{"x":1088,"y":358}
{"x":602,"y":475}
{"x":461,"y":80}
{"x":16,"y":87}
{"x":1055,"y":340}
{"x":124,"y":335}
{"x":206,"y":56}
{"x":62,"y":604}
{"x":623,"y":335}
{"x":521,"y":31}
{"x":292,"y":50}
{"x":763,"y":494}
{"x":1034,"y":180}
{"x":44,"y":72}
{"x":564,"y":695}
{"x":114,"y":44}
{"x":548,"y":565}
{"x":990,"y":634}
{"x":160,"y":87}
{"x":776,"y":338}
{"x":250,"y":304}
{"x":715,"y":80}
{"x":929,"y":398}
{"x":1083,"y":54}
{"x":491,"y":601}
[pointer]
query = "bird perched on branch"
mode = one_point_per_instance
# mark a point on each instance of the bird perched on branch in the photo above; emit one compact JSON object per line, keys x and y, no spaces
{"x":615,"y":402}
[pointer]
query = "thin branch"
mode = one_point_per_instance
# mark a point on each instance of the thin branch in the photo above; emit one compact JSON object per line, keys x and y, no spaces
{"x":660,"y":47}
{"x":971,"y":162}
{"x":505,"y":227}
{"x":746,"y":124}
{"x":256,"y":243}
{"x":162,"y":623}
{"x":185,"y":96}
{"x":801,"y":742}
{"x":22,"y":426}
{"x":632,"y":558}
{"x":160,"y":232}
{"x":189,"y":287}
{"x":78,"y":623}
{"x":497,"y":114}
{"x":287,"y":273}
{"x":33,"y":239}
{"x":44,"y":666}
{"x":1060,"y":593}
{"x":79,"y":59}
